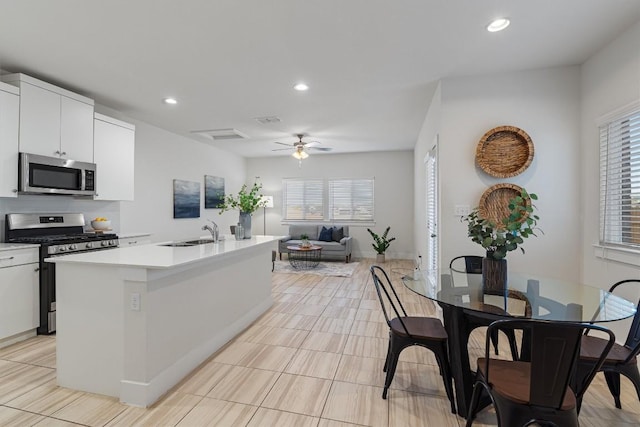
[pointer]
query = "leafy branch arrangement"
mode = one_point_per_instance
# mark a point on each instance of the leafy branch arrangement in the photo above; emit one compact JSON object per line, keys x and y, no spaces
{"x":381,"y":242}
{"x":247,"y":201}
{"x":498,"y":239}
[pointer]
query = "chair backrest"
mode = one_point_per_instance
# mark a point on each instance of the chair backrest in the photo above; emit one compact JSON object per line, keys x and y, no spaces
{"x":472,"y":264}
{"x":555,"y":347}
{"x":633,"y":337}
{"x":387,"y":295}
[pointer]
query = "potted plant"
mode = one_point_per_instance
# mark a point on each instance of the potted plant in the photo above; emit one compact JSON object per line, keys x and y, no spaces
{"x":247,"y":202}
{"x":305,"y":241}
{"x":498,"y":239}
{"x":380,"y":243}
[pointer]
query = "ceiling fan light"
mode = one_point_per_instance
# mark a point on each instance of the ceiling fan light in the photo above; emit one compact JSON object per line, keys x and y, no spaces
{"x":498,"y":25}
{"x":300,"y":155}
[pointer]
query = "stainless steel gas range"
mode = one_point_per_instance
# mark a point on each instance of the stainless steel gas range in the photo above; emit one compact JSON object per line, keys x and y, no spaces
{"x":57,"y":234}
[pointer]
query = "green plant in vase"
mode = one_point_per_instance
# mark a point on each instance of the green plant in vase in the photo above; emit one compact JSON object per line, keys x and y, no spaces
{"x":247,"y":201}
{"x":305,"y":241}
{"x":380,"y":243}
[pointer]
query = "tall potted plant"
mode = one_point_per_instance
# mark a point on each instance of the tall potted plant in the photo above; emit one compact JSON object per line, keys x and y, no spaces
{"x":247,"y":201}
{"x":380,"y":243}
{"x":500,"y":238}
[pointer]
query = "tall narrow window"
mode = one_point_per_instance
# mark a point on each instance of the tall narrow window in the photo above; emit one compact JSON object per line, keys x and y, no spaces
{"x":620,"y":181}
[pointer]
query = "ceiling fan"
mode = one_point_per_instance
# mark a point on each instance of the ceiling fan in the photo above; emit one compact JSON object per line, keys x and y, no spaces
{"x":300,"y":147}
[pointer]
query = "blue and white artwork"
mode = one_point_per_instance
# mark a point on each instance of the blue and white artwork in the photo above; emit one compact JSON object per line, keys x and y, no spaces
{"x":186,"y":199}
{"x":213,"y":191}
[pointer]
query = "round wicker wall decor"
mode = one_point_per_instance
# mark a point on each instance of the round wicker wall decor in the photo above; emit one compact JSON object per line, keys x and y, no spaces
{"x":494,"y":203}
{"x":504,"y":151}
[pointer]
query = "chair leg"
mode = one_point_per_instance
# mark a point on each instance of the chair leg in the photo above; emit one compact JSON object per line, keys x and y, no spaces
{"x":445,"y":371}
{"x":473,"y":405}
{"x":613,"y":381}
{"x":386,"y":361}
{"x":631,"y":371}
{"x":395,"y":347}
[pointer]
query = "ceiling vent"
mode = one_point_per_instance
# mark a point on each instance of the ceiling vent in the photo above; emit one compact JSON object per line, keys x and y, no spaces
{"x":221,"y":134}
{"x":268,"y":120}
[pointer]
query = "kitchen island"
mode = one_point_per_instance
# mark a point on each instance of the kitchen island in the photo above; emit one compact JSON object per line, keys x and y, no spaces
{"x":132,"y":322}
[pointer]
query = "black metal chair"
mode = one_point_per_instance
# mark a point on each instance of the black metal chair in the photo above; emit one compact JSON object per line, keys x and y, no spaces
{"x":406,"y":331}
{"x":622,"y":359}
{"x":473,"y":265}
{"x":539,"y":391}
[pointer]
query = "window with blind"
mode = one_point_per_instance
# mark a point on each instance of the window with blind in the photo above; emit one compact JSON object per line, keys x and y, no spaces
{"x":620,"y":180}
{"x":335,"y":200}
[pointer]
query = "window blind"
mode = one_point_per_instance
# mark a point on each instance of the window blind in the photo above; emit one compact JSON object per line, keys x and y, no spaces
{"x":303,"y":199}
{"x":620,"y":181}
{"x":351,"y":200}
{"x":338,"y":200}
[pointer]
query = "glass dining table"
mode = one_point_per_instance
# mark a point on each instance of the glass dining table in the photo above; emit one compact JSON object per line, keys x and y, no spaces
{"x":466,"y":305}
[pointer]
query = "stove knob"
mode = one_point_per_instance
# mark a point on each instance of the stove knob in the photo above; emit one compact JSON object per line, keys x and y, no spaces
{"x":62,"y":248}
{"x":73,"y":247}
{"x":112,"y":242}
{"x":89,"y":245}
{"x":104,"y":243}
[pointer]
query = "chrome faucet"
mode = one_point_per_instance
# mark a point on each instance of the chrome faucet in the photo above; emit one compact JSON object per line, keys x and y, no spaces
{"x":213,"y":230}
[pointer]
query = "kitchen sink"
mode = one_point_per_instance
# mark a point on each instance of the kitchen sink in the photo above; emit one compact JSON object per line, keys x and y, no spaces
{"x":199,"y":242}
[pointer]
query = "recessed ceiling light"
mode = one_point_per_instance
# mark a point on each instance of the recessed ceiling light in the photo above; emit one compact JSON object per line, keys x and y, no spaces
{"x":498,"y":25}
{"x":301,"y":87}
{"x":171,"y":101}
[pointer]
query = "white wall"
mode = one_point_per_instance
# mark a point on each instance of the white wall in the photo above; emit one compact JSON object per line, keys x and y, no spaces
{"x":610,"y":80}
{"x":161,"y":157}
{"x":545,"y":103}
{"x":393,"y":172}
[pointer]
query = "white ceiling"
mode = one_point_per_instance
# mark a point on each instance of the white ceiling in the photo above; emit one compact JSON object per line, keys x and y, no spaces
{"x":372,"y":65}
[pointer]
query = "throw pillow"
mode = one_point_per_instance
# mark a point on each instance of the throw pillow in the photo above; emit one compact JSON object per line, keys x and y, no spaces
{"x":337,"y":234}
{"x":325,"y":234}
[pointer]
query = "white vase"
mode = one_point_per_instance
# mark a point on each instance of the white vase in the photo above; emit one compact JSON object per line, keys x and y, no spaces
{"x":380,"y":258}
{"x":245,"y":222}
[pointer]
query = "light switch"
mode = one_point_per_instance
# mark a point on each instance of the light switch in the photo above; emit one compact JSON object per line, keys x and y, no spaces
{"x":135,"y":301}
{"x":461,"y":210}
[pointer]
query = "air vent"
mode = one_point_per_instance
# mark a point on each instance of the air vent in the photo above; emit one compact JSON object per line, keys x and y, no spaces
{"x":268,"y":120}
{"x":221,"y":134}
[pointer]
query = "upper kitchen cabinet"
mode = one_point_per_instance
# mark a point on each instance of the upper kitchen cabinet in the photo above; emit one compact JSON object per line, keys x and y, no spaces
{"x":9,"y":117}
{"x":54,"y":122}
{"x":114,"y":152}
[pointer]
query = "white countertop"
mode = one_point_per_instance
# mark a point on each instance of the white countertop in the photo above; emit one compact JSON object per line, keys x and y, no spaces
{"x":132,"y":235}
{"x":156,"y":256}
{"x":14,"y":246}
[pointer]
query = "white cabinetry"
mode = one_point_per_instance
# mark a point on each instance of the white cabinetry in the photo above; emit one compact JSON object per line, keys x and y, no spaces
{"x":127,"y":241}
{"x":54,"y":122}
{"x":114,"y":152}
{"x":9,"y":117}
{"x":19,"y":276}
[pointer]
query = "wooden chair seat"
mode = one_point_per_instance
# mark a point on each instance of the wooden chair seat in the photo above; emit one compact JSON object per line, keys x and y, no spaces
{"x":420,"y":327}
{"x":592,"y":347}
{"x":512,"y":380}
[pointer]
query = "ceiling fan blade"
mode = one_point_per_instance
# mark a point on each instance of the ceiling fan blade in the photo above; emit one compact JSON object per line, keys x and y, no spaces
{"x":282,"y":143}
{"x":311,"y":143}
{"x":321,"y":148}
{"x":282,"y":149}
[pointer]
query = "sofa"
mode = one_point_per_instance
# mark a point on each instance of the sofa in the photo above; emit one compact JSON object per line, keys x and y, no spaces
{"x":338,"y":247}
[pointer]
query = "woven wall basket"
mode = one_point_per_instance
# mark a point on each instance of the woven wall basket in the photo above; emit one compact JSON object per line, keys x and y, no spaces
{"x":504,"y":151}
{"x":494,"y":203}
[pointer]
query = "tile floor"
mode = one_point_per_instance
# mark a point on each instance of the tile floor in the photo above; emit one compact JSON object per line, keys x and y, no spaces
{"x":314,"y":359}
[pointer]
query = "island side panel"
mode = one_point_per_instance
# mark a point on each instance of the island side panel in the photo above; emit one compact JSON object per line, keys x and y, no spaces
{"x":184,"y":318}
{"x":90,"y":324}
{"x":186,"y":313}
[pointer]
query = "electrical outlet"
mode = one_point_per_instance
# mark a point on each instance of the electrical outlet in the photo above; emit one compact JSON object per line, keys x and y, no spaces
{"x":461,"y":210}
{"x":135,"y":301}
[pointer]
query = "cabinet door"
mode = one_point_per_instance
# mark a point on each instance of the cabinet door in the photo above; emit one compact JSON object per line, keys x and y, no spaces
{"x":9,"y":118}
{"x":76,"y":130}
{"x":39,"y":121}
{"x":19,"y":303}
{"x":114,"y":150}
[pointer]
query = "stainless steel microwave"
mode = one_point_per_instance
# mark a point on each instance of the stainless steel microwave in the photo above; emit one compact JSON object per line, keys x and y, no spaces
{"x":50,"y":175}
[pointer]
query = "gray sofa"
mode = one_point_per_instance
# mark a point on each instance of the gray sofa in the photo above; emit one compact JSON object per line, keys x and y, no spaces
{"x":330,"y":250}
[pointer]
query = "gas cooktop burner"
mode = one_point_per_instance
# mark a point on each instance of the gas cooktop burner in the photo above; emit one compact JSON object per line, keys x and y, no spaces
{"x":57,"y":238}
